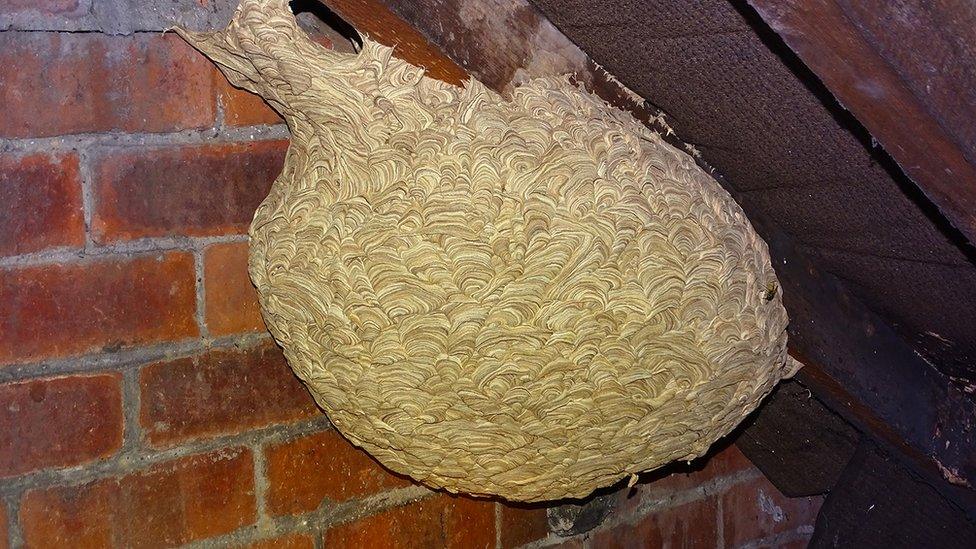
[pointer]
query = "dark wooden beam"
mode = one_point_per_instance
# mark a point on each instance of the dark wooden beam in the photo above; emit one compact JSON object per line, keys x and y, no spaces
{"x":859,"y":367}
{"x":854,"y":361}
{"x":498,"y":42}
{"x":798,"y":443}
{"x":907,"y":71}
{"x":374,"y":19}
{"x":879,"y":502}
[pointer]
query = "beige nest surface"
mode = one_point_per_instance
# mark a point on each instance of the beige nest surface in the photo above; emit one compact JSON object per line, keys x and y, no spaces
{"x":530,"y":297}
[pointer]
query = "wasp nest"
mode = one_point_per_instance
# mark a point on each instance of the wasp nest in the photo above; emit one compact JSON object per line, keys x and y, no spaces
{"x":530,"y":297}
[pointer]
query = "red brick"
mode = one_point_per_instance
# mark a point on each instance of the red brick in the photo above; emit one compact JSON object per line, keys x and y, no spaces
{"x":187,"y":190}
{"x":678,"y":477}
{"x":220,"y":392}
{"x":58,"y":310}
{"x":305,"y":471}
{"x":756,"y":509}
{"x":727,"y":461}
{"x":64,"y":8}
{"x":170,"y":504}
{"x":4,"y":528}
{"x":232,"y":301}
{"x":439,"y":522}
{"x":690,"y":525}
{"x":63,"y":83}
{"x":523,"y":524}
{"x":243,"y":108}
{"x":40,"y":203}
{"x":59,"y":422}
{"x":294,"y":541}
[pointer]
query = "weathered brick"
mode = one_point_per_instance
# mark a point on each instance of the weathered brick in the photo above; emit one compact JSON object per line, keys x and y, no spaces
{"x":693,"y":524}
{"x":756,"y":509}
{"x":58,"y":422}
{"x":523,"y":524}
{"x":220,"y":392}
{"x":125,"y":16}
{"x":41,"y":6}
{"x":442,"y":521}
{"x":728,"y":460}
{"x":40,"y":202}
{"x":186,"y":190}
{"x":242,"y":108}
{"x":305,"y":471}
{"x":116,"y":16}
{"x":294,"y":541}
{"x":13,"y":9}
{"x":170,"y":504}
{"x":231,"y":300}
{"x":63,"y":83}
{"x":4,"y":527}
{"x":720,"y":462}
{"x":64,"y":309}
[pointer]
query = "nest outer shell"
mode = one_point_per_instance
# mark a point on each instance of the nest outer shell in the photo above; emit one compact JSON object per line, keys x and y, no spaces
{"x":530,"y":297}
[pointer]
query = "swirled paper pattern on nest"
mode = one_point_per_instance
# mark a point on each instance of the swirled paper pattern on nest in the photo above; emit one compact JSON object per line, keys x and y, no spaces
{"x":530,"y":298}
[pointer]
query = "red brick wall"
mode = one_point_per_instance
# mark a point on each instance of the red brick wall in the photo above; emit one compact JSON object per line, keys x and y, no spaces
{"x":142,"y":403}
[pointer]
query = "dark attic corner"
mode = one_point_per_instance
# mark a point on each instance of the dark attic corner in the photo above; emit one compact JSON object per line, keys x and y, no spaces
{"x":144,"y":403}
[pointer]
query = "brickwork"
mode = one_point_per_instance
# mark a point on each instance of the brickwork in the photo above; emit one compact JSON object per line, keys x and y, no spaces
{"x":142,"y":402}
{"x":721,"y":500}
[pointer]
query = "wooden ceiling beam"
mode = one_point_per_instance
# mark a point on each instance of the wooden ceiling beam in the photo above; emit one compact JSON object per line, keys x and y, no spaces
{"x":907,"y":72}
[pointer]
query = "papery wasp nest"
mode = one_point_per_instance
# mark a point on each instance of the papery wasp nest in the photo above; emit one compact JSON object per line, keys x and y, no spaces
{"x":530,"y":297}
